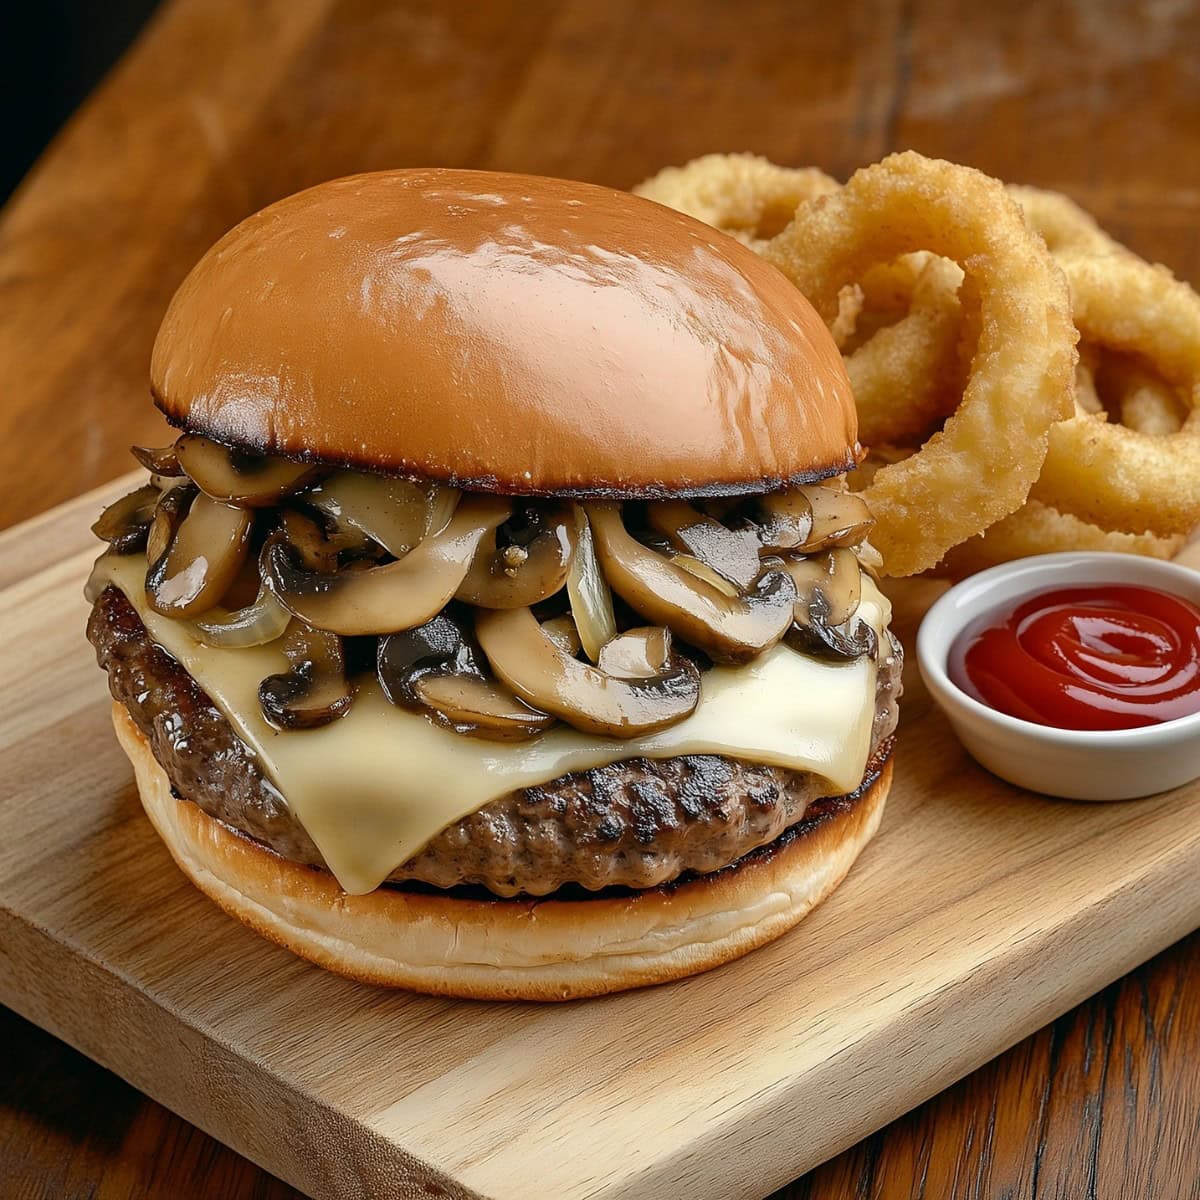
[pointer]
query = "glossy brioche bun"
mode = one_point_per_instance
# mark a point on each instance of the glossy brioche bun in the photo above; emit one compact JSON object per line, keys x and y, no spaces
{"x":505,"y":333}
{"x":508,"y":949}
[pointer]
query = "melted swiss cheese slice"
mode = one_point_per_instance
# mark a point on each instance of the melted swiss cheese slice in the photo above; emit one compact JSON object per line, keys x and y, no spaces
{"x":373,"y":788}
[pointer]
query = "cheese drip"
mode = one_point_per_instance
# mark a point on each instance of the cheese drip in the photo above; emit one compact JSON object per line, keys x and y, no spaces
{"x":373,"y":788}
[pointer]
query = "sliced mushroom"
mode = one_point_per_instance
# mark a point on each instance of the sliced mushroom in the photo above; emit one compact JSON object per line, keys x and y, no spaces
{"x":808,"y":519}
{"x":384,"y":599}
{"x":318,"y":549}
{"x":172,"y":507}
{"x":731,"y":553}
{"x":588,"y":698}
{"x":829,"y":588}
{"x":481,"y":707}
{"x":701,"y":570}
{"x":840,"y":517}
{"x":817,"y":637}
{"x":835,"y":575}
{"x":785,"y":520}
{"x":202,"y":560}
{"x":442,"y":503}
{"x":869,"y":559}
{"x":164,"y":483}
{"x":125,"y":524}
{"x":729,"y":629}
{"x":159,"y":460}
{"x":396,"y":513}
{"x":637,"y":653}
{"x":591,"y":598}
{"x":315,"y":691}
{"x":564,"y":633}
{"x":436,"y":667}
{"x":523,"y":562}
{"x":238,"y":476}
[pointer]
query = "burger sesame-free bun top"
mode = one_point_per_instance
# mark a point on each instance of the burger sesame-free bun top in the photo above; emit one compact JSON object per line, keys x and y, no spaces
{"x":505,"y":332}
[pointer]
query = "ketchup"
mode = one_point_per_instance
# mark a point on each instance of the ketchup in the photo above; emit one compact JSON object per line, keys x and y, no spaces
{"x":1086,"y":658}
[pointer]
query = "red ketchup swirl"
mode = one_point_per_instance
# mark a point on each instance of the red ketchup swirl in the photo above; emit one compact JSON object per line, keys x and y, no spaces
{"x":1086,"y":658}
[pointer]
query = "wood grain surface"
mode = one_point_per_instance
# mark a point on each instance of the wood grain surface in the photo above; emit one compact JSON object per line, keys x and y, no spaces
{"x":224,"y":105}
{"x":727,"y":1084}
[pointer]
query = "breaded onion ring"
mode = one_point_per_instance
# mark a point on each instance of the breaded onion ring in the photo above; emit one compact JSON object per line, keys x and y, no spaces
{"x":1087,"y":398}
{"x":904,"y":376}
{"x":981,"y":466}
{"x":1142,"y":400}
{"x":742,"y":195}
{"x":1039,"y":529}
{"x":1104,"y":473}
{"x":1064,"y":226}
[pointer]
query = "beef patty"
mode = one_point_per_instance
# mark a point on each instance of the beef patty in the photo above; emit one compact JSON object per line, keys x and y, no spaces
{"x":635,"y":823}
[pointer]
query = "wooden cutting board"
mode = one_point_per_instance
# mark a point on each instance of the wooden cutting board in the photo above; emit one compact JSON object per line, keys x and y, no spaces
{"x":978,"y":914}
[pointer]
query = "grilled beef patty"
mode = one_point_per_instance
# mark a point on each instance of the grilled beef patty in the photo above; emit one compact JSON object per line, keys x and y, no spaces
{"x":636,"y":823}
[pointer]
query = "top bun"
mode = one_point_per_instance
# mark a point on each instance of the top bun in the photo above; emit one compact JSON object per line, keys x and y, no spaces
{"x":507,"y":333}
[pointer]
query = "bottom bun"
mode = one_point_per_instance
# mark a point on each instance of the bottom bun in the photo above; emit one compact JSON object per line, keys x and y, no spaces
{"x":497,"y":949}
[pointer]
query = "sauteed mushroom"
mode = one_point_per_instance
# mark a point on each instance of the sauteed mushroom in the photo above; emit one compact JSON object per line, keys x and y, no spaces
{"x":637,"y":653}
{"x":173,"y":504}
{"x":531,"y":567}
{"x":701,"y":570}
{"x":315,"y":691}
{"x":816,"y":636}
{"x":436,"y":667}
{"x":384,"y":599}
{"x":808,"y":519}
{"x":237,"y":476}
{"x":481,"y":707}
{"x":587,"y":697}
{"x":125,"y":523}
{"x":591,"y":599}
{"x":829,"y":588}
{"x":318,"y":550}
{"x":201,"y":561}
{"x":835,"y":575}
{"x":564,"y":633}
{"x":729,"y":629}
{"x":731,"y":553}
{"x":396,"y":513}
{"x":159,"y":460}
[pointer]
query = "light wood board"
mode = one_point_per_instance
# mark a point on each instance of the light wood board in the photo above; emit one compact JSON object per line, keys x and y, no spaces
{"x":978,"y":914}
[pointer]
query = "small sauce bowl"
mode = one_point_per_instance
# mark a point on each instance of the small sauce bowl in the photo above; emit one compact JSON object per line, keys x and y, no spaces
{"x":1074,"y":764}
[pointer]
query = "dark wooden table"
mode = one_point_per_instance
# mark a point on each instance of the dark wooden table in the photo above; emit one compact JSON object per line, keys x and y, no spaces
{"x":224,"y":105}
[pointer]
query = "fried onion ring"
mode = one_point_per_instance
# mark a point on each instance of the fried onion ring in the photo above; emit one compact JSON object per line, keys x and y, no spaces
{"x":886,"y":295}
{"x":981,"y":466}
{"x":1142,"y":401}
{"x":1103,"y":473}
{"x":742,"y":195}
{"x":1087,"y":398}
{"x":1065,"y":227}
{"x":1039,"y":529}
{"x":905,"y":376}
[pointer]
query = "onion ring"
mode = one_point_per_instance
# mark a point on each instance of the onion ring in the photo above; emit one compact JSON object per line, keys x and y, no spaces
{"x":1087,"y":398}
{"x":1064,"y":226}
{"x":742,"y":195}
{"x":1103,"y":473}
{"x":1144,"y":402}
{"x":1022,"y":377}
{"x":1039,"y":529}
{"x":887,"y":291}
{"x":904,"y":373}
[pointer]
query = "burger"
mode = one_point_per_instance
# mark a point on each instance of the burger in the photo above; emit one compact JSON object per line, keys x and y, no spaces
{"x":500,"y":624}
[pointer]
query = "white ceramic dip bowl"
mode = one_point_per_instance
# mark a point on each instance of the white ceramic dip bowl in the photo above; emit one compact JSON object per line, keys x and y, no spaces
{"x":1075,"y":764}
